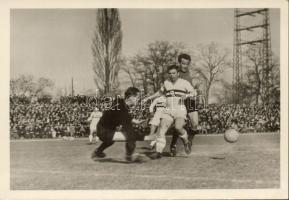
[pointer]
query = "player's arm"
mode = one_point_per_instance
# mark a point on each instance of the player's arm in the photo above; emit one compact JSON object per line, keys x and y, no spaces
{"x":155,"y":95}
{"x":137,"y":121}
{"x":90,"y":118}
{"x":153,"y":104}
{"x":191,"y":90}
{"x":125,"y":120}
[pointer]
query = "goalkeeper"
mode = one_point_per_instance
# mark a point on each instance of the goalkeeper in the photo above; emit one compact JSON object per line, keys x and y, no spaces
{"x":118,"y":115}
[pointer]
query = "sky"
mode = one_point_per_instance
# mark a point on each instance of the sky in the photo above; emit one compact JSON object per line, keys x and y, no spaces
{"x":56,"y":43}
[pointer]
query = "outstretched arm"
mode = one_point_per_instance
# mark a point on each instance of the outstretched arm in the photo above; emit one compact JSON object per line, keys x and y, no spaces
{"x":155,"y":95}
{"x":90,"y":118}
{"x":153,"y":104}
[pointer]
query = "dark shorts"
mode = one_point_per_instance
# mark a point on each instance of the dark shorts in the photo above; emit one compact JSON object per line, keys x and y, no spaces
{"x":191,"y":104}
{"x":104,"y":134}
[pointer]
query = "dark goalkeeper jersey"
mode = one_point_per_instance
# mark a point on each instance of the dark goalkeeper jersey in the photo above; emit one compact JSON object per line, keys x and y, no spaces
{"x":186,"y":75}
{"x":117,"y":114}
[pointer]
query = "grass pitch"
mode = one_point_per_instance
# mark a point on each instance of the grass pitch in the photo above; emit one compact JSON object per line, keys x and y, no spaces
{"x":252,"y":162}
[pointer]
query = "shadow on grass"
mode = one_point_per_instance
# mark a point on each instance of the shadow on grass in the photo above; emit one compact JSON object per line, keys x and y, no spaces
{"x":145,"y":148}
{"x":112,"y":160}
{"x":118,"y":160}
{"x":144,"y":157}
{"x":164,"y":154}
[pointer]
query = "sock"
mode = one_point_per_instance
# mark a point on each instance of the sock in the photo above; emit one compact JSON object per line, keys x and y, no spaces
{"x":160,"y":144}
{"x":184,"y":137}
{"x":174,"y":140}
{"x":130,"y":147}
{"x":192,"y":134}
{"x":153,"y":143}
{"x":90,"y":138}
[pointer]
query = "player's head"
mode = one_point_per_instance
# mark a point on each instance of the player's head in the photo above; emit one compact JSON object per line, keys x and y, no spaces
{"x":131,"y":96}
{"x":173,"y":71}
{"x":184,"y":61}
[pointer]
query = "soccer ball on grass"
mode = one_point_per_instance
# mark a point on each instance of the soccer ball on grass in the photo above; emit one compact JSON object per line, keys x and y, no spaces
{"x":231,"y":135}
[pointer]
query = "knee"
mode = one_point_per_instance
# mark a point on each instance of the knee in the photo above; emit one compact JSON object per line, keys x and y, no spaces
{"x":194,"y":121}
{"x":164,"y":125}
{"x":163,"y":128}
{"x":194,"y":118}
{"x":109,"y":142}
{"x":179,"y":126}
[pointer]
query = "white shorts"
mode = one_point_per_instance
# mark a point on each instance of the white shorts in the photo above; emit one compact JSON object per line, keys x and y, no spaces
{"x":93,"y":125}
{"x":174,"y":113}
{"x":156,"y":120}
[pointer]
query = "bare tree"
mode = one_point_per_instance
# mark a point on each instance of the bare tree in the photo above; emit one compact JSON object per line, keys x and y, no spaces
{"x":130,"y":69}
{"x":43,"y":83}
{"x":275,"y":85}
{"x":254,"y":71}
{"x":210,"y":61}
{"x":255,"y":75}
{"x":153,"y":62}
{"x":106,"y":49}
{"x":26,"y":84}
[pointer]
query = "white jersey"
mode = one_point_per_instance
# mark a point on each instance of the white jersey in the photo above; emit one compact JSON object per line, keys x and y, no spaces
{"x":95,"y":116}
{"x":174,"y":91}
{"x":94,"y":119}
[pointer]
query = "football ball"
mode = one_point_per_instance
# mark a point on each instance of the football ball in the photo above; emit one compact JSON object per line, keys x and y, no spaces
{"x":231,"y":135}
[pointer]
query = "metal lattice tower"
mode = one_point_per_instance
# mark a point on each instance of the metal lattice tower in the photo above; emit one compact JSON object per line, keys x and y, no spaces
{"x":263,"y":39}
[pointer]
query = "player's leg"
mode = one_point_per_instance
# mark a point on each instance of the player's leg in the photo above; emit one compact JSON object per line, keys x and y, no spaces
{"x":130,"y":143}
{"x":192,"y":109}
{"x":91,"y":131}
{"x":105,"y":136}
{"x":130,"y":147}
{"x":180,"y":122}
{"x":194,"y":119}
{"x":173,"y":146}
{"x":153,"y":129}
{"x":96,"y":137}
{"x":153,"y":144}
{"x":154,"y":141}
{"x":166,"y":122}
{"x":154,"y":125}
{"x":155,"y":122}
{"x":90,"y":137}
{"x":99,"y":152}
{"x":188,"y":106}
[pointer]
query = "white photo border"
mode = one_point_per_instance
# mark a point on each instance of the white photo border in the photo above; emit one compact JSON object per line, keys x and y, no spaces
{"x":6,"y":193}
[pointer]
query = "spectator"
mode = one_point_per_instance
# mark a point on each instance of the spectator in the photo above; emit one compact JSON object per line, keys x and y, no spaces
{"x":42,"y":118}
{"x":71,"y":130}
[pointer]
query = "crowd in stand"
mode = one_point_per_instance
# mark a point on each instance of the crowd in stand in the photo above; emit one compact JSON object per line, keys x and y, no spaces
{"x":246,"y":118}
{"x":46,"y":119}
{"x":43,"y":118}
